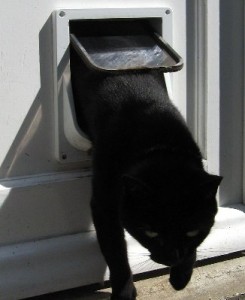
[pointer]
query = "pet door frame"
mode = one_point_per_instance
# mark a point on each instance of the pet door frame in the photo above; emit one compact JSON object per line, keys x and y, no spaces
{"x":70,"y":143}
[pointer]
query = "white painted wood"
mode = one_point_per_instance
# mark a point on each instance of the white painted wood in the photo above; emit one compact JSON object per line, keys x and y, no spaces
{"x":231,"y":100}
{"x":38,"y":199}
{"x":39,"y":207}
{"x":50,"y":265}
{"x":196,"y":72}
{"x":213,"y":86}
{"x":48,"y":178}
{"x":215,"y":81}
{"x":203,"y":105}
{"x":46,"y":242}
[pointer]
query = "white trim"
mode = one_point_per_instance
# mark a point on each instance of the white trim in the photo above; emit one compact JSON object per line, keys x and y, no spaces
{"x":197,"y":71}
{"x":44,"y":206}
{"x":200,"y":87}
{"x":65,"y":262}
{"x":203,"y":107}
{"x":213,"y":86}
{"x":45,"y":266}
{"x":232,"y":100}
{"x":69,"y":140}
{"x":40,"y":179}
{"x":203,"y":75}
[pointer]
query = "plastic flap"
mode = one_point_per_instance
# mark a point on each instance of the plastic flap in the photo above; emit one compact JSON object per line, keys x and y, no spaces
{"x":144,"y":50}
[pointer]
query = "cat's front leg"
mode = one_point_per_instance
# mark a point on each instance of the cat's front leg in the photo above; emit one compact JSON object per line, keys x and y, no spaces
{"x":128,"y":292}
{"x":110,"y":236}
{"x":180,"y":274}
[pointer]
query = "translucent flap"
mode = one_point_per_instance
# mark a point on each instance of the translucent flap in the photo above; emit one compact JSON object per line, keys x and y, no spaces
{"x":133,"y":51}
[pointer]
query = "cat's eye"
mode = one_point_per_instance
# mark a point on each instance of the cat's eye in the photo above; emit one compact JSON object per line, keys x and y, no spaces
{"x":151,"y":234}
{"x":192,"y":233}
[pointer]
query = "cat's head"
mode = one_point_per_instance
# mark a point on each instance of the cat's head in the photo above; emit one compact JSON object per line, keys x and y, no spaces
{"x":170,"y":213}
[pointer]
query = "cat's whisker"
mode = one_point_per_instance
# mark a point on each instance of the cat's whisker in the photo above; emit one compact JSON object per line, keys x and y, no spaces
{"x":146,"y":264}
{"x":151,"y":263}
{"x":138,"y":254}
{"x":213,"y":250}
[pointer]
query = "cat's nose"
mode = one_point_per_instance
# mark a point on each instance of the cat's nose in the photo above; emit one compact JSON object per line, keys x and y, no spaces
{"x":177,"y":255}
{"x":167,"y":259}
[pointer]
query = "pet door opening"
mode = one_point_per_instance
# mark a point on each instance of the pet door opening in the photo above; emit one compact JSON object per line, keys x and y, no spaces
{"x":115,"y":46}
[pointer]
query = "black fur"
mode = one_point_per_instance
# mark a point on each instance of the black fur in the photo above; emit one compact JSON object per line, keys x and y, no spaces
{"x":147,"y":172}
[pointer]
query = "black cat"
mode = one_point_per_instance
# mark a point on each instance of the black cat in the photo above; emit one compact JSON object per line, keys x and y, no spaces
{"x":148,"y":175}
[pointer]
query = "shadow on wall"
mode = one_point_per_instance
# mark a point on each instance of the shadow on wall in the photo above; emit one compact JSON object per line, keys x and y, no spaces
{"x":28,"y":169}
{"x":31,"y":209}
{"x":231,"y":99}
{"x":28,"y":151}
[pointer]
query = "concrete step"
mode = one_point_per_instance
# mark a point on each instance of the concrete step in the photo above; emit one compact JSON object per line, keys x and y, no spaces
{"x":223,"y":280}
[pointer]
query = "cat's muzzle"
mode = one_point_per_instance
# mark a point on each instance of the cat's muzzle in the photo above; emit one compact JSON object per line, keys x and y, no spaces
{"x":169,"y":259}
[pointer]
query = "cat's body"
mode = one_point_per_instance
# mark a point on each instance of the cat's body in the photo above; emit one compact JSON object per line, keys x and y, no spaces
{"x":147,"y":173}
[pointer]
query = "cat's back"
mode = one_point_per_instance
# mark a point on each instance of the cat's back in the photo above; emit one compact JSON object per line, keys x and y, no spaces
{"x":127,"y":111}
{"x":132,"y":112}
{"x":135,"y":99}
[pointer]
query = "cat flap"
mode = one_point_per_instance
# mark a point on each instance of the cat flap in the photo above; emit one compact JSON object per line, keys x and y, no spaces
{"x":134,"y":49}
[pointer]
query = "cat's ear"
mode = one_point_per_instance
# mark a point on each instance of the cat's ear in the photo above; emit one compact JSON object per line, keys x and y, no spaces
{"x":210,"y":184}
{"x":135,"y":186}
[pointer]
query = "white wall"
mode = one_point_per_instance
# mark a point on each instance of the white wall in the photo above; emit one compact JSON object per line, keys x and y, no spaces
{"x":27,"y":106}
{"x":26,"y":80}
{"x":27,"y":115}
{"x":46,"y":235}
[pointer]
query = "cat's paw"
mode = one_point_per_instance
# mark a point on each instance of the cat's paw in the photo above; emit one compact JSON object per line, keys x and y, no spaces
{"x":127,"y":293}
{"x":115,"y":297}
{"x":179,"y":280}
